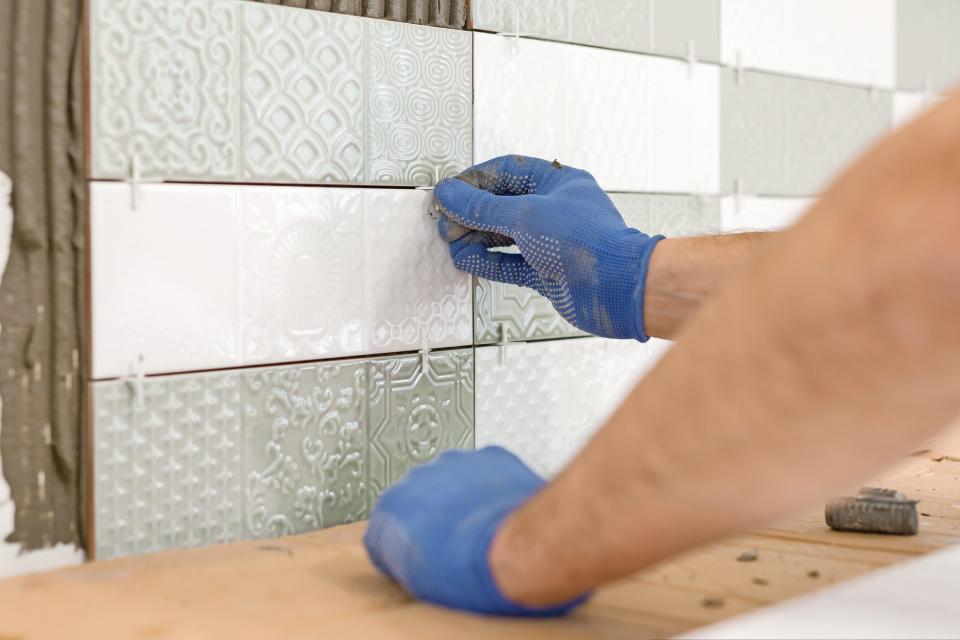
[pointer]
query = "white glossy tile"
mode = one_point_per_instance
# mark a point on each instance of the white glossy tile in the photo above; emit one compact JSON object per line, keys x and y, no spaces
{"x":543,"y":400}
{"x":209,"y":276}
{"x":751,"y":213}
{"x":844,"y":40}
{"x":612,"y":113}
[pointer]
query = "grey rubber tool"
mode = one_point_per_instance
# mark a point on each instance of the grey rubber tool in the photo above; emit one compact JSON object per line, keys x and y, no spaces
{"x":874,"y":510}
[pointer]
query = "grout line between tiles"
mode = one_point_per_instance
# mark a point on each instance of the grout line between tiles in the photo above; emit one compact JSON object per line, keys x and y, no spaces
{"x":361,"y":357}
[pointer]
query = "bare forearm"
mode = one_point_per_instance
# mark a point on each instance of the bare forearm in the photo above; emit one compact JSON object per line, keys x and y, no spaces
{"x":685,"y":272}
{"x":830,"y":355}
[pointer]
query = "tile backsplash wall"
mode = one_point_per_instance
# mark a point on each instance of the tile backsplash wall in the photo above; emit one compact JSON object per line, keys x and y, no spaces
{"x":277,"y":337}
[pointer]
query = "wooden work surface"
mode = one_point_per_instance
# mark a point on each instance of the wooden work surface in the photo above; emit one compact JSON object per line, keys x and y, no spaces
{"x":320,"y":584}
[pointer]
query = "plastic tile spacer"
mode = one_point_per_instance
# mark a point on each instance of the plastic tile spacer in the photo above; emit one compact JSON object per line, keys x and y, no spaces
{"x":502,"y":344}
{"x":517,"y":32}
{"x":436,"y":180}
{"x":737,"y":194}
{"x":136,"y":180}
{"x":424,"y":356}
{"x":134,"y":381}
{"x":691,"y":58}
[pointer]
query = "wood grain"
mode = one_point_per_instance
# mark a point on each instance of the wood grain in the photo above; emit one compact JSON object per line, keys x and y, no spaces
{"x":320,"y":584}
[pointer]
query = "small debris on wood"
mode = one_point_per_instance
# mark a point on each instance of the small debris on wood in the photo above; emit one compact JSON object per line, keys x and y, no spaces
{"x":748,"y":556}
{"x":761,"y":581}
{"x":925,"y":515}
{"x":713,"y":603}
{"x":813,"y":573}
{"x":948,"y":458}
{"x":873,"y":510}
{"x":275,"y":548}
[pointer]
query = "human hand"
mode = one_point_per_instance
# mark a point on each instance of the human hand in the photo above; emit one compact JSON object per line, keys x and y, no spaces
{"x":431,"y":532}
{"x":575,"y":248}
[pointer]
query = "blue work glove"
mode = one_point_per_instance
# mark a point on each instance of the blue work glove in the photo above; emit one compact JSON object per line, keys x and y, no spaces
{"x":431,"y":532}
{"x":575,"y":248}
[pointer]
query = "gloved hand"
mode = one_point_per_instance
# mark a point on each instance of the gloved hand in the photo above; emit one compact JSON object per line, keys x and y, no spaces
{"x":575,"y":248}
{"x":432,"y":531}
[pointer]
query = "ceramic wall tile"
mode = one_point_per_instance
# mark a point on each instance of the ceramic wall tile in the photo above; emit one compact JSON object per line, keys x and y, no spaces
{"x":750,"y":213}
{"x":232,"y":91}
{"x":211,"y":457}
{"x":609,"y":112}
{"x":928,"y":46}
{"x":164,"y":81}
{"x":419,"y":81}
{"x":304,"y":441}
{"x":526,"y":315}
{"x":167,"y":466}
{"x":655,"y":26}
{"x":413,"y":414}
{"x":844,"y":40}
{"x":678,"y":24}
{"x":788,"y":136}
{"x":266,"y":275}
{"x":543,"y":400}
{"x":303,"y":96}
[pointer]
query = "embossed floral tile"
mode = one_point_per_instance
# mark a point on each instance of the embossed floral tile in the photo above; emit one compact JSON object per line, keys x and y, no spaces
{"x":206,"y":458}
{"x":222,"y":90}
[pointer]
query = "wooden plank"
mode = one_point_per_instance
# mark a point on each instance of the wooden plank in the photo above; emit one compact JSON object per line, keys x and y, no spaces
{"x":320,"y":584}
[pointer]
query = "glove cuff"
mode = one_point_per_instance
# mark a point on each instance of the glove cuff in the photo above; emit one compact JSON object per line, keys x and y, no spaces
{"x":500,"y":605}
{"x":639,"y":293}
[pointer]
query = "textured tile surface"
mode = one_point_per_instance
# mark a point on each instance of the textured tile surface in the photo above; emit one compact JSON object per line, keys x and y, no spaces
{"x":610,"y":112}
{"x":419,"y":81}
{"x":928,"y":44}
{"x":211,"y":457}
{"x":787,"y":136}
{"x":526,"y":315}
{"x":657,"y":26}
{"x":303,"y":96}
{"x":168,"y":469}
{"x":267,"y":274}
{"x":165,"y":82}
{"x":242,"y":91}
{"x":543,"y":400}
{"x":845,"y":40}
{"x":750,"y":213}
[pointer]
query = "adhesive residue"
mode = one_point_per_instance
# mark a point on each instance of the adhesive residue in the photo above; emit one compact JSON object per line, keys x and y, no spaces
{"x":41,"y":287}
{"x":451,"y":14}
